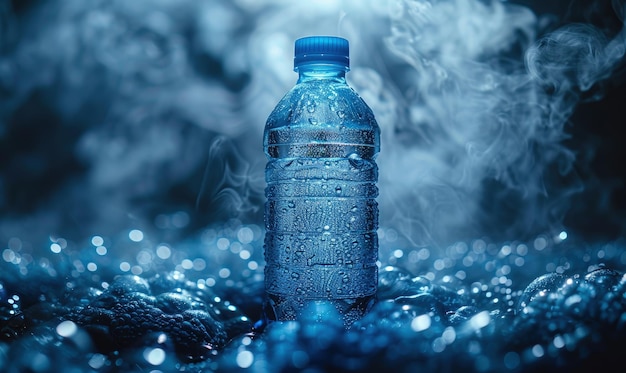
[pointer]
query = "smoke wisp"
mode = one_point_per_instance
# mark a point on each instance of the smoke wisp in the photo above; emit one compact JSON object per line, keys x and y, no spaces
{"x":116,"y":114}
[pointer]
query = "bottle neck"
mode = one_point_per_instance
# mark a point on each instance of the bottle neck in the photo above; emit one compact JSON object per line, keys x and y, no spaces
{"x":336,"y":73}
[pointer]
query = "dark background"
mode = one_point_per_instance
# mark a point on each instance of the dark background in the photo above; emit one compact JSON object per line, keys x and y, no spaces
{"x":48,"y":185}
{"x":597,"y":132}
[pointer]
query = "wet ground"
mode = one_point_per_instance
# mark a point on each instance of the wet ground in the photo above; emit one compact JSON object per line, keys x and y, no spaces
{"x":133,"y":303}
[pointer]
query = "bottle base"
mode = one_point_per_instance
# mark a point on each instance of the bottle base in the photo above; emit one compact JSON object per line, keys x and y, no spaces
{"x":291,"y":308}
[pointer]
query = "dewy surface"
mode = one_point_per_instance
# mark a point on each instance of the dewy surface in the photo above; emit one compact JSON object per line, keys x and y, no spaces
{"x":548,"y":304}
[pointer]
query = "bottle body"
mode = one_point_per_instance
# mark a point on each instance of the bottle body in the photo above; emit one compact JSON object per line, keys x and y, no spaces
{"x":321,"y":213}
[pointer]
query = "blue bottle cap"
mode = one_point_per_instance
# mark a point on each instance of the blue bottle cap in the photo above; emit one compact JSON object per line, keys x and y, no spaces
{"x":321,"y":49}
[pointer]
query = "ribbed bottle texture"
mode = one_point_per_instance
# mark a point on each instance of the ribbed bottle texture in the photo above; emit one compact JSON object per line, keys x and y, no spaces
{"x":321,"y":214}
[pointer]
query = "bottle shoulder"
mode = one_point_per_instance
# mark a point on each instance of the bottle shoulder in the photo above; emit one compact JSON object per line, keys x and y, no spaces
{"x":322,"y":103}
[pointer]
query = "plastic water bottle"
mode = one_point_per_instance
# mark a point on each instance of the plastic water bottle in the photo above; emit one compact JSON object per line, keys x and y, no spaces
{"x":321,"y":215}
